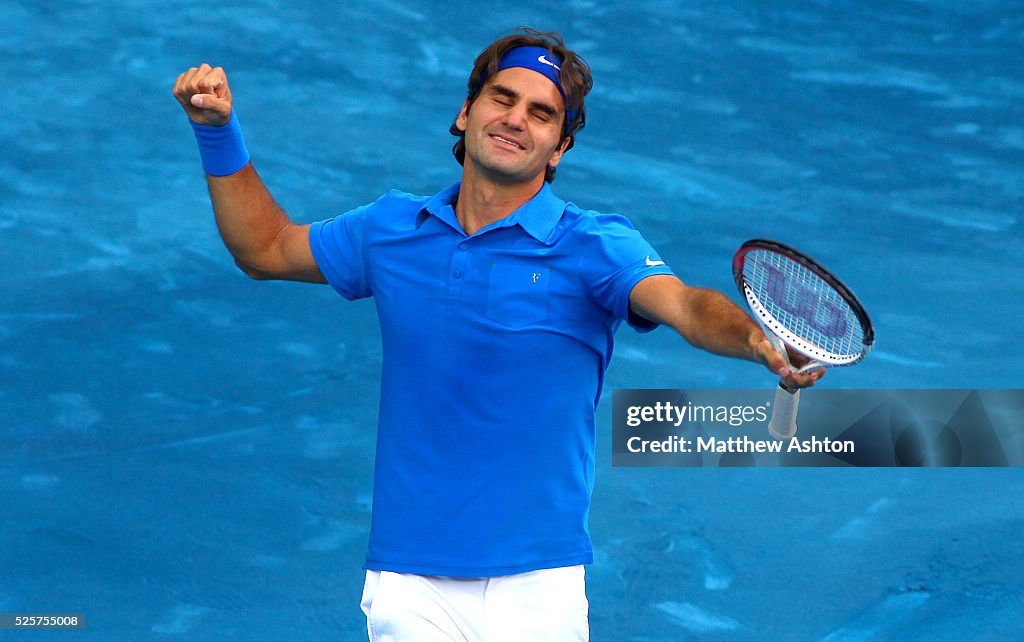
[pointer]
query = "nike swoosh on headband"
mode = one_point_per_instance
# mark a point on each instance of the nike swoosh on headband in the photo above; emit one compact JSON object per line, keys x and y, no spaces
{"x":543,"y":59}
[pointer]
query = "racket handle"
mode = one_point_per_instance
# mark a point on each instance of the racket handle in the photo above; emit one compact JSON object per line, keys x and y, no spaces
{"x":783,"y":421}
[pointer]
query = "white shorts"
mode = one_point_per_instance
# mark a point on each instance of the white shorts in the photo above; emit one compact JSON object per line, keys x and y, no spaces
{"x":549,"y":605}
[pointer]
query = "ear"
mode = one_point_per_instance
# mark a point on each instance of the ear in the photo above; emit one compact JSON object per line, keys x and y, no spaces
{"x":556,"y":158}
{"x":462,"y":120}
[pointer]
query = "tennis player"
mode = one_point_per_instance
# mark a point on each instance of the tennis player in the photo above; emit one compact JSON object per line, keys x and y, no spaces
{"x":498,"y":302}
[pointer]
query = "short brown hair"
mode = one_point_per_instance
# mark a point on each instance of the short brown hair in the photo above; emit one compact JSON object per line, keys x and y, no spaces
{"x":574,"y":76}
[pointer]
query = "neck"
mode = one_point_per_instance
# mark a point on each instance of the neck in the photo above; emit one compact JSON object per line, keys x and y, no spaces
{"x":483,"y":201}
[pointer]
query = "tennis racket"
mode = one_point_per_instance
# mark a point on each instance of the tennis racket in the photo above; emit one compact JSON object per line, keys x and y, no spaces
{"x":800,"y":304}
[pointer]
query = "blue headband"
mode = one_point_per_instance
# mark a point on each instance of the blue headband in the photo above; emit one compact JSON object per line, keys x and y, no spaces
{"x":543,"y":62}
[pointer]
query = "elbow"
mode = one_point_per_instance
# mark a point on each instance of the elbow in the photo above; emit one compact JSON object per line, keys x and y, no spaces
{"x":252,"y":271}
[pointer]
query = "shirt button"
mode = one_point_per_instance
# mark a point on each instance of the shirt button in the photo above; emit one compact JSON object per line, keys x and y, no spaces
{"x":463,"y":246}
{"x":456,"y":274}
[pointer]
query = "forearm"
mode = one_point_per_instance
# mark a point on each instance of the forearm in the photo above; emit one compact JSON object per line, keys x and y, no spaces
{"x":248,"y":218}
{"x":709,"y":320}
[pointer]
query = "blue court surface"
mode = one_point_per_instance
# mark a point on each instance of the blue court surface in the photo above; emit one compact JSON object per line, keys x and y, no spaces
{"x":186,"y":454}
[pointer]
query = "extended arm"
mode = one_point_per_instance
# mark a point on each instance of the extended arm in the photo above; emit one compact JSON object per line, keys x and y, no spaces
{"x":265,"y":243}
{"x":709,"y":320}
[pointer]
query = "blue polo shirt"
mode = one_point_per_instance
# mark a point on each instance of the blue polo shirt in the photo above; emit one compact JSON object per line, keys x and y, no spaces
{"x":494,"y":352}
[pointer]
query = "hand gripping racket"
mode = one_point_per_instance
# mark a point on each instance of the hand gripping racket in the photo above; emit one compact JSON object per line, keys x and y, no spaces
{"x":800,"y":304}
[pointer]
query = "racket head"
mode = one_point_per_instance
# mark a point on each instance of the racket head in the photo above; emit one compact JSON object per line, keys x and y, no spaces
{"x":803,"y":303}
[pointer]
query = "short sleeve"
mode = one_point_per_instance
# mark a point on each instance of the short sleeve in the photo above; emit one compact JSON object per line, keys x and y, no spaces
{"x":338,"y":245}
{"x":621,"y":257}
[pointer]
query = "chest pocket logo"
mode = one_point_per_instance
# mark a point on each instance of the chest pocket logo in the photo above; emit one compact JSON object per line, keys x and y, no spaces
{"x":517,"y":293}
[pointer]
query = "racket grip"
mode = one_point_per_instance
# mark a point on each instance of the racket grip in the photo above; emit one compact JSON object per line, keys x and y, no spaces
{"x":783,"y":421}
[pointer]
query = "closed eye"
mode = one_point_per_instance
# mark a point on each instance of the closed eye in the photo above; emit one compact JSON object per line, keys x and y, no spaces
{"x":503,"y":95}
{"x":542,"y":116}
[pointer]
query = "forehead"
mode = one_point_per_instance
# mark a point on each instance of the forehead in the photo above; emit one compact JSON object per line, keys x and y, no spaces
{"x":533,"y":86}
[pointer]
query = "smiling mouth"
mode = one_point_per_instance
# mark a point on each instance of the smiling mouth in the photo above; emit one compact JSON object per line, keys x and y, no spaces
{"x":507,"y":141}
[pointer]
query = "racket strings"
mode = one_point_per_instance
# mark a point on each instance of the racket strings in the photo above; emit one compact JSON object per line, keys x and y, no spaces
{"x":804,"y":303}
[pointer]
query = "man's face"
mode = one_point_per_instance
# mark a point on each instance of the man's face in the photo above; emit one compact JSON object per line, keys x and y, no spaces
{"x":514,"y":127}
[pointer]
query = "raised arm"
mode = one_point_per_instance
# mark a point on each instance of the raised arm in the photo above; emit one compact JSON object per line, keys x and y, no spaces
{"x":709,"y":320}
{"x":265,"y":243}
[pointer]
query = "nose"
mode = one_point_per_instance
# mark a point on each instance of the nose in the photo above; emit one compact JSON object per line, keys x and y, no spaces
{"x":515,"y":117}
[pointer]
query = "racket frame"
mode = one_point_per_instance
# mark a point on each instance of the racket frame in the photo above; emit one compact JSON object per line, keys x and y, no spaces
{"x":768,"y":321}
{"x":783,"y":421}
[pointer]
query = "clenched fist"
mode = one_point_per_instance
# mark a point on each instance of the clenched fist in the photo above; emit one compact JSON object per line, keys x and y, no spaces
{"x":204,"y":94}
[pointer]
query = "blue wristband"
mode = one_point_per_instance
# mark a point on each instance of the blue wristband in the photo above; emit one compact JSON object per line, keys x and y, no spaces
{"x":222,"y":149}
